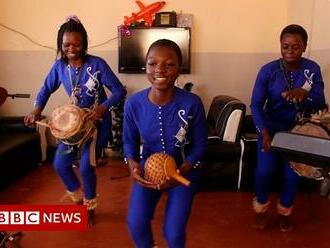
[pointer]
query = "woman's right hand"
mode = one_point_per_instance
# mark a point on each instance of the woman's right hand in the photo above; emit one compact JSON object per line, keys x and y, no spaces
{"x":295,"y":95}
{"x":266,"y":140}
{"x":32,"y":117}
{"x":137,"y":174}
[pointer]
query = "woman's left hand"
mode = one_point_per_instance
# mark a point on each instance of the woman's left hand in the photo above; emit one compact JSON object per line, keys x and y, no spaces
{"x":169,"y":183}
{"x":295,"y":95}
{"x":96,"y":113}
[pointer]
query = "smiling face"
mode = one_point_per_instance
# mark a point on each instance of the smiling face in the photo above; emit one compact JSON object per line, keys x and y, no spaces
{"x":72,"y":46}
{"x":292,"y":48}
{"x":162,"y":67}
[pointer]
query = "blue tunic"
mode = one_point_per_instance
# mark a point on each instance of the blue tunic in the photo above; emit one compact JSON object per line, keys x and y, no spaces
{"x":269,"y":109}
{"x":272,"y":112}
{"x":87,"y":83}
{"x":95,"y":73}
{"x":177,"y":128}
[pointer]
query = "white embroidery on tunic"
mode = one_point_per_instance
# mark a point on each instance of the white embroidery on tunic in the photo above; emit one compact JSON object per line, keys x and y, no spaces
{"x":181,"y":134}
{"x":309,"y":78}
{"x":92,"y":83}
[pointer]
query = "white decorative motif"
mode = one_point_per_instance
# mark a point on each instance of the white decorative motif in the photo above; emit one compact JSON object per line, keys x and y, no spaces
{"x":92,"y":83}
{"x":309,"y":78}
{"x":181,"y":134}
{"x":181,"y":113}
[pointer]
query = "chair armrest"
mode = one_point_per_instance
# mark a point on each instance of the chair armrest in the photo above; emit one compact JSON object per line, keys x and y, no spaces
{"x":249,"y":137}
{"x":214,"y":137}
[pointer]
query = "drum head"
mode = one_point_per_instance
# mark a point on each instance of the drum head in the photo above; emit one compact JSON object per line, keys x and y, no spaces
{"x":66,"y":121}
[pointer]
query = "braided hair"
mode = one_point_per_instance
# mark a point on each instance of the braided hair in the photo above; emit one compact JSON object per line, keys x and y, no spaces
{"x":72,"y":24}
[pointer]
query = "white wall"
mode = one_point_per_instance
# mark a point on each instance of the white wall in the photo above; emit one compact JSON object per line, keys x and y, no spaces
{"x":230,"y":41}
{"x":314,"y":15}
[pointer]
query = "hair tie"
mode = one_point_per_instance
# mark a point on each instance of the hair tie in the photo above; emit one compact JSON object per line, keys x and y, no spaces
{"x":73,"y":18}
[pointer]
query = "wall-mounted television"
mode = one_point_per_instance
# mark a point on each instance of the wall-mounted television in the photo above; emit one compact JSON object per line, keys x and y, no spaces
{"x":132,"y":49}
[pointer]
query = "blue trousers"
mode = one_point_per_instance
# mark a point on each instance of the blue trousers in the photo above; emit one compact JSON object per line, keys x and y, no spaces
{"x":63,"y":166}
{"x":142,"y":206}
{"x":268,"y":163}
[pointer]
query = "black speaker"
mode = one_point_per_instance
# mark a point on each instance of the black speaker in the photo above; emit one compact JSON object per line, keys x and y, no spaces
{"x":165,"y":19}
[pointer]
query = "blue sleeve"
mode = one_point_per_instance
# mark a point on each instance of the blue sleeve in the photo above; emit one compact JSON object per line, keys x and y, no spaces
{"x":199,"y":134}
{"x":131,"y":135}
{"x":51,"y":84}
{"x":110,"y":80}
{"x":258,"y":100}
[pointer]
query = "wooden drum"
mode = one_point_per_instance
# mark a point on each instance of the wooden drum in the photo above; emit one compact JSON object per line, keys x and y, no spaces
{"x":67,"y":123}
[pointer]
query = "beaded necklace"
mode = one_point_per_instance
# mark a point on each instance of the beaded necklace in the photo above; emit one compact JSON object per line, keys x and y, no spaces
{"x":290,"y":84}
{"x":75,"y":85}
{"x":288,"y":79}
{"x":75,"y":96}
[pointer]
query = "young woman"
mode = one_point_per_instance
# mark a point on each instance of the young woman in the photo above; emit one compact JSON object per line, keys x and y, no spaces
{"x":83,"y":77}
{"x":285,"y":90}
{"x":163,"y":118}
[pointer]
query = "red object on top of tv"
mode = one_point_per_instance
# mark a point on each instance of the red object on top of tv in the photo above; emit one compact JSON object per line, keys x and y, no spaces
{"x":146,"y":12}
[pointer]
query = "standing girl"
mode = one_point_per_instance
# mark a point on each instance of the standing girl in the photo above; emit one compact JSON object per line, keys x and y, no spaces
{"x":163,"y":118}
{"x":284,"y":90}
{"x":83,"y":77}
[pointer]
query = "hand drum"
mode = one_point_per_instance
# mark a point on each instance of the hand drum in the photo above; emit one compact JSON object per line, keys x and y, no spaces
{"x":159,"y":167}
{"x":68,"y":124}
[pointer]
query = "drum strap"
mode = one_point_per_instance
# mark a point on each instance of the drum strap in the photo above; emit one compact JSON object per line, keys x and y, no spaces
{"x":76,"y":89}
{"x":92,"y":150}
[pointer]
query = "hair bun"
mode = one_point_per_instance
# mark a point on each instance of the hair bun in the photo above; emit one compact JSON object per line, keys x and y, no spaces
{"x":73,"y":18}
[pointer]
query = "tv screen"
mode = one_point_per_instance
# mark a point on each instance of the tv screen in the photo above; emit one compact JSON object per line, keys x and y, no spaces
{"x":132,"y":49}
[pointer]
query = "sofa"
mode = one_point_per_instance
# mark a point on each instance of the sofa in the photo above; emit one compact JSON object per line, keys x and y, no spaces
{"x":223,"y":157}
{"x":20,"y":150}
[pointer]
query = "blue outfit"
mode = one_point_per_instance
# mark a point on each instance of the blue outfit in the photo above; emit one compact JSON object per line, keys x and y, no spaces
{"x":178,"y":129}
{"x":87,"y":83}
{"x":272,"y":112}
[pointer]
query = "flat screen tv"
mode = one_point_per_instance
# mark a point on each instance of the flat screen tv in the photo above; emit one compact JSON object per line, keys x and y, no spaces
{"x":132,"y":49}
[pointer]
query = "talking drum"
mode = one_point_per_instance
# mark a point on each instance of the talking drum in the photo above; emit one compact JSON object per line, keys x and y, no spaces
{"x":161,"y":166}
{"x":304,"y":170}
{"x":67,"y":123}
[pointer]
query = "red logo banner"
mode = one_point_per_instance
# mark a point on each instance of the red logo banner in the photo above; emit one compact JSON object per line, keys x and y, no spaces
{"x":43,"y":217}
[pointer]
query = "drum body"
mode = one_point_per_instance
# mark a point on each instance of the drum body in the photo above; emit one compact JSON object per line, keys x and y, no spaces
{"x":68,"y":124}
{"x":314,"y":130}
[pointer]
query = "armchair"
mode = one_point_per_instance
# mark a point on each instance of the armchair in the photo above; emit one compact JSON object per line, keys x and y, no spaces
{"x":19,"y":149}
{"x":224,"y":153}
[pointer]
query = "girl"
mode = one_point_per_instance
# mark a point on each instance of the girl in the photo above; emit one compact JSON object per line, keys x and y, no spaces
{"x":165,"y":119}
{"x":284,"y":90}
{"x":83,"y":77}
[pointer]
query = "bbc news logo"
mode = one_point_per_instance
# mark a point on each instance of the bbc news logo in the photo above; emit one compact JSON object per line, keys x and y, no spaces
{"x":43,"y":217}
